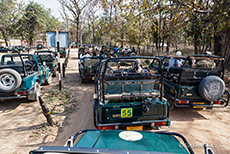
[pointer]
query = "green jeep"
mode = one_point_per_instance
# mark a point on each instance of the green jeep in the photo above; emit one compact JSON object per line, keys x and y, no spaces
{"x":129,"y":97}
{"x":198,"y":84}
{"x":21,"y":76}
{"x":122,"y":142}
{"x":87,"y":68}
{"x":48,"y":57}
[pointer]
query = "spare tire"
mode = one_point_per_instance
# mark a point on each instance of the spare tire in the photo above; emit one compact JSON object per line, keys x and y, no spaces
{"x":132,"y":54}
{"x":10,"y":80}
{"x":211,"y":88}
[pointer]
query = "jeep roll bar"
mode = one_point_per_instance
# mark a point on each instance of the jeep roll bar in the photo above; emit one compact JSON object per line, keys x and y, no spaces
{"x":28,"y":50}
{"x":134,"y":58}
{"x":212,"y":57}
{"x":23,"y":64}
{"x":71,"y":140}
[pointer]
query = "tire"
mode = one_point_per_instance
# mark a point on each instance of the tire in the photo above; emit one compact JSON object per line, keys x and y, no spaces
{"x":55,"y":72}
{"x":36,"y":93}
{"x":132,"y":54}
{"x":49,"y":80}
{"x":211,"y":88}
{"x":171,"y":104}
{"x":82,"y":80}
{"x":10,"y":80}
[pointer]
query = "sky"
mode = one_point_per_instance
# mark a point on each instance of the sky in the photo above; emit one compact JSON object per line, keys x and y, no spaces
{"x":54,"y":5}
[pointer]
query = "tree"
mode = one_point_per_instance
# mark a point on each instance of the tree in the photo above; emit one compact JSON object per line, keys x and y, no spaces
{"x":10,"y":12}
{"x":35,"y":22}
{"x":75,"y":8}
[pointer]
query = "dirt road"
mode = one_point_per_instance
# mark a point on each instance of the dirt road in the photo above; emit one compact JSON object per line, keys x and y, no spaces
{"x":20,"y":118}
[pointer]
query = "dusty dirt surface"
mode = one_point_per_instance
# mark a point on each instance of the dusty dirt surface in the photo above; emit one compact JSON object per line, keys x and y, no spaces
{"x":24,"y":128}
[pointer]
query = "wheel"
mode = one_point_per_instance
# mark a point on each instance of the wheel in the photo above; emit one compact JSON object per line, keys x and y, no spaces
{"x":172,"y":105}
{"x":29,"y":67}
{"x":55,"y":72}
{"x":10,"y":80}
{"x":211,"y":88}
{"x":82,"y":80}
{"x":36,"y":93}
{"x":49,"y":80}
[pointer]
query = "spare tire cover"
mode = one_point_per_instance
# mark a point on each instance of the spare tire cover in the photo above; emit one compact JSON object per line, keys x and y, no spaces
{"x":211,"y":88}
{"x":10,"y":80}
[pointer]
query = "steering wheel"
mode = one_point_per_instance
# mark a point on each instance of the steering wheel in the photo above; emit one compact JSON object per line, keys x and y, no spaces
{"x":109,"y":70}
{"x":29,"y":66}
{"x":126,"y":71}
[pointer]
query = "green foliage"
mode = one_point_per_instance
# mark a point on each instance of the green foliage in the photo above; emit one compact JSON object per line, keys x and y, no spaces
{"x":36,"y":20}
{"x":9,"y":15}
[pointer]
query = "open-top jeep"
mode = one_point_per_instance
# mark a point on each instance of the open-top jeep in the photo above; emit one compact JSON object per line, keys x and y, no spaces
{"x":129,"y":95}
{"x":94,"y":141}
{"x":62,"y":51}
{"x":198,"y":83}
{"x":48,"y":57}
{"x":21,"y":76}
{"x":87,"y":68}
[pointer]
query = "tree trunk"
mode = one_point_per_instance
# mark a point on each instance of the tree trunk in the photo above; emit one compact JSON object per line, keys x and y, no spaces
{"x":4,"y":36}
{"x":78,"y":20}
{"x":167,"y":48}
{"x":196,"y":43}
{"x":93,"y":34}
{"x":217,"y":42}
{"x":159,"y":32}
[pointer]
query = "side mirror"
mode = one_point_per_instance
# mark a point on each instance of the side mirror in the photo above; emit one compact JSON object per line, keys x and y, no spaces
{"x":207,"y":149}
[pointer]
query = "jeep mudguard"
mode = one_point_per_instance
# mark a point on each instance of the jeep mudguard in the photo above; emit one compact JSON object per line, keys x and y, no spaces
{"x":10,"y":80}
{"x":211,"y":88}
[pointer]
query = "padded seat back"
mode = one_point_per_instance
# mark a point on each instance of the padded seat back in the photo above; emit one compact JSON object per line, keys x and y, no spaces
{"x":90,"y":62}
{"x":113,"y":88}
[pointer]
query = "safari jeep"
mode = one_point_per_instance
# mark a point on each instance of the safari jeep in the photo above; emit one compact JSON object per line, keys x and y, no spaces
{"x":87,"y":69}
{"x":197,"y":86}
{"x":122,"y":142}
{"x":128,"y":99}
{"x":21,"y":76}
{"x":48,"y":57}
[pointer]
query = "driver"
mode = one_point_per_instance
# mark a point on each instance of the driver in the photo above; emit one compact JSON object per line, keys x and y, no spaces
{"x":138,"y":67}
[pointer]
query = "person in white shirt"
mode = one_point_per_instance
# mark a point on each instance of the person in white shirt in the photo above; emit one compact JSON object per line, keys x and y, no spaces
{"x":175,"y":61}
{"x":86,"y":55}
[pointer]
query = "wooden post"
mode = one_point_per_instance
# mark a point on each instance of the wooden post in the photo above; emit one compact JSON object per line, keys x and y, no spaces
{"x":59,"y":65}
{"x":63,"y":69}
{"x":46,"y":112}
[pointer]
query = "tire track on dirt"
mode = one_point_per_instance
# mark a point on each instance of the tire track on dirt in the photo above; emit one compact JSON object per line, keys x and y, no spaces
{"x":82,"y":117}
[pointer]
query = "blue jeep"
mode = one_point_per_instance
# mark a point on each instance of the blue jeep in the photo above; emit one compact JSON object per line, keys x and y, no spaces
{"x":21,"y":76}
